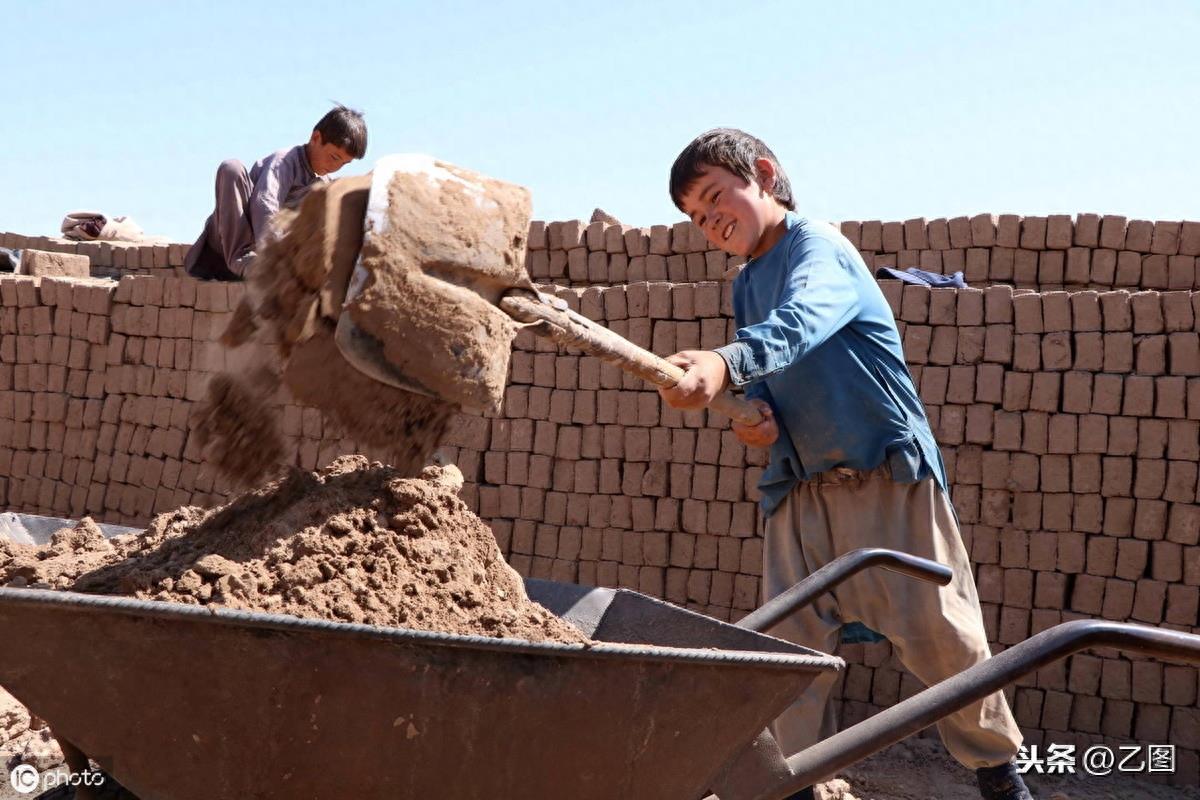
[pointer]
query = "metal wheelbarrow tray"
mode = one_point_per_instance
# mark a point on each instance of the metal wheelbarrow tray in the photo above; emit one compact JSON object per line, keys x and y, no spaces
{"x":179,"y":702}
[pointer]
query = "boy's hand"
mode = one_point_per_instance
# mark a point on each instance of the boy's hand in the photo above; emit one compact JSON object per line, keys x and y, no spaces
{"x":764,"y":433}
{"x":706,"y":377}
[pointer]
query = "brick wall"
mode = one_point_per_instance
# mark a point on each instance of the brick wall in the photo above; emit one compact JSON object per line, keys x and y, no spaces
{"x":1069,"y":420}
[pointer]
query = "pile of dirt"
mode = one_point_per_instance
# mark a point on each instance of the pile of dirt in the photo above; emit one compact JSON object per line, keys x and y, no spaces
{"x":24,"y":739}
{"x":356,"y":542}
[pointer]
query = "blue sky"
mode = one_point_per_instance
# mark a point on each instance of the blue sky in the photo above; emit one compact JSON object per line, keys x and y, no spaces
{"x":877,"y":110}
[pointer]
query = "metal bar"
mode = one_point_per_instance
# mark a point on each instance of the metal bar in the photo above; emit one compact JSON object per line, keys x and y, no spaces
{"x":904,"y":719}
{"x":783,"y":605}
{"x":572,"y":329}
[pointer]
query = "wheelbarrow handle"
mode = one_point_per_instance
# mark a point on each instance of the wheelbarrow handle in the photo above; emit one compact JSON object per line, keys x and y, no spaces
{"x":550,"y":317}
{"x":891,"y":725}
{"x":783,"y":605}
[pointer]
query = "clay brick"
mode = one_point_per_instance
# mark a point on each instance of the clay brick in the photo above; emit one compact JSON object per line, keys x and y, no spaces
{"x":871,"y":236}
{"x":1060,"y":233}
{"x":1027,"y":313}
{"x":1056,"y":351}
{"x":1055,"y":311}
{"x":1129,"y":269}
{"x":1146,"y":308}
{"x":1104,"y":267}
{"x":1181,"y":272}
{"x":998,"y":305}
{"x":1033,"y":233}
{"x":1115,"y":307}
{"x":1001,"y":264}
{"x":1139,"y":234}
{"x":1079,"y":269}
{"x":1165,"y":237}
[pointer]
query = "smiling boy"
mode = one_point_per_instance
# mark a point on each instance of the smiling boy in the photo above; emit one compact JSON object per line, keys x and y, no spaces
{"x":853,"y":461}
{"x":246,"y":200}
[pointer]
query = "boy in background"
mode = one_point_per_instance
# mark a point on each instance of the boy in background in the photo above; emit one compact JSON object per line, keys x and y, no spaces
{"x":853,"y":461}
{"x":246,"y":200}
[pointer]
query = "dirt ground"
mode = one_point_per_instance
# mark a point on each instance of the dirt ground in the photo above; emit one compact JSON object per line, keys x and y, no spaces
{"x":920,"y":769}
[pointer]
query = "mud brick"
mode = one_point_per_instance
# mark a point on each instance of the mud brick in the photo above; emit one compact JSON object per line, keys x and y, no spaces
{"x":998,"y":305}
{"x":1119,"y":596}
{"x":577,"y":264}
{"x":871,"y":237}
{"x":1006,"y":433}
{"x":1129,"y":269}
{"x":1116,"y":309}
{"x":1180,"y":482}
{"x":892,"y":237}
{"x":1118,"y":352}
{"x":1104,"y":267}
{"x":1181,"y":272}
{"x":916,"y":343}
{"x":1027,"y":313}
{"x":1056,"y":351}
{"x":1051,"y":269}
{"x":1077,"y":392}
{"x":1165,"y":237}
{"x":937,"y":234}
{"x":1183,"y":353}
{"x":1149,"y":600}
{"x":1043,"y":557}
{"x":1178,"y":314}
{"x":1146,"y":308}
{"x":1170,"y":397}
{"x":660,"y":240}
{"x":1026,"y":352}
{"x":1045,"y":391}
{"x":1183,"y":603}
{"x":977,"y":267}
{"x":1060,"y":233}
{"x":1139,"y":396}
{"x":1139,"y":235}
{"x":944,"y":345}
{"x":927,"y":259}
{"x":1033,"y":233}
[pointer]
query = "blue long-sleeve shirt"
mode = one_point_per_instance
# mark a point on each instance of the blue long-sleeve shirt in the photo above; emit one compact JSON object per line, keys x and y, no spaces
{"x":817,"y":340}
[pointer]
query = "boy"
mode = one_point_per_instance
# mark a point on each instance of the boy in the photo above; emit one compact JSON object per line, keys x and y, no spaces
{"x":853,"y":461}
{"x":246,"y":201}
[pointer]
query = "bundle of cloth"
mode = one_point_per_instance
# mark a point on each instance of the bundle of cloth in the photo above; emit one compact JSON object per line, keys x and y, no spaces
{"x":89,"y":226}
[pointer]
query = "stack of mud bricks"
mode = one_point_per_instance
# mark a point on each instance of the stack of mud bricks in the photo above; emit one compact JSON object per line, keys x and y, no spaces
{"x":1066,"y":401}
{"x":109,"y":259}
{"x":575,"y":253}
{"x":1044,"y":253}
{"x":1064,"y":390}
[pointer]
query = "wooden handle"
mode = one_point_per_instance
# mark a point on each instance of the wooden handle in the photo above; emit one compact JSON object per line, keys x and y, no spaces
{"x":575,"y":330}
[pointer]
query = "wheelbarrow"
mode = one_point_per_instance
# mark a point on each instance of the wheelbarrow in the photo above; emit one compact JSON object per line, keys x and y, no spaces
{"x":182,"y":702}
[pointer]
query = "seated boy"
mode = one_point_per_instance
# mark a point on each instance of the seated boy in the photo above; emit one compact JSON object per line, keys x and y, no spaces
{"x":853,"y":461}
{"x":246,"y":201}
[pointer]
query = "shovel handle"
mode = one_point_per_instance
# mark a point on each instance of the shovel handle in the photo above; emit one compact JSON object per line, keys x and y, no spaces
{"x":575,"y":330}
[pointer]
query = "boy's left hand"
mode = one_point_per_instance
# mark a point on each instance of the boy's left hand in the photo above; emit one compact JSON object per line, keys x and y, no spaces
{"x":706,"y":377}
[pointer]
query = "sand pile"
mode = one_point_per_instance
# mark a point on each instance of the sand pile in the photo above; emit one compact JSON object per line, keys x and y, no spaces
{"x":356,"y":542}
{"x":25,"y":739}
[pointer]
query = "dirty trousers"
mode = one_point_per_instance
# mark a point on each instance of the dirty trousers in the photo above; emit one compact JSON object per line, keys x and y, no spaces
{"x":937,"y":631}
{"x":222,"y":251}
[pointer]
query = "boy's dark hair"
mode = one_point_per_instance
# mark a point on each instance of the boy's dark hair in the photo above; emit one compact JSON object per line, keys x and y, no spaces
{"x":734,"y":150}
{"x":345,"y":128}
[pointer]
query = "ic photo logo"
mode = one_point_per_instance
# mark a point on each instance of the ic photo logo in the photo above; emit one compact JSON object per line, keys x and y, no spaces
{"x":25,"y":779}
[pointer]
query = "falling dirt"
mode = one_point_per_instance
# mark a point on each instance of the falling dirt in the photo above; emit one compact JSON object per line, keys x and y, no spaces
{"x":279,"y":337}
{"x":356,"y":542}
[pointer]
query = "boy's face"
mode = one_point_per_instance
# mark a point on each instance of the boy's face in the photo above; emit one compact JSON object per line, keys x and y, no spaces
{"x":326,"y":158}
{"x":736,"y":215}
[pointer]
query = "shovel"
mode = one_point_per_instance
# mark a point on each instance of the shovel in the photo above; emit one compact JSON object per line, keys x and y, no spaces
{"x":439,"y":290}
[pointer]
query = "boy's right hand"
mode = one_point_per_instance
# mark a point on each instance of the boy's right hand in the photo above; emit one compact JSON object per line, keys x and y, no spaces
{"x":764,"y":433}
